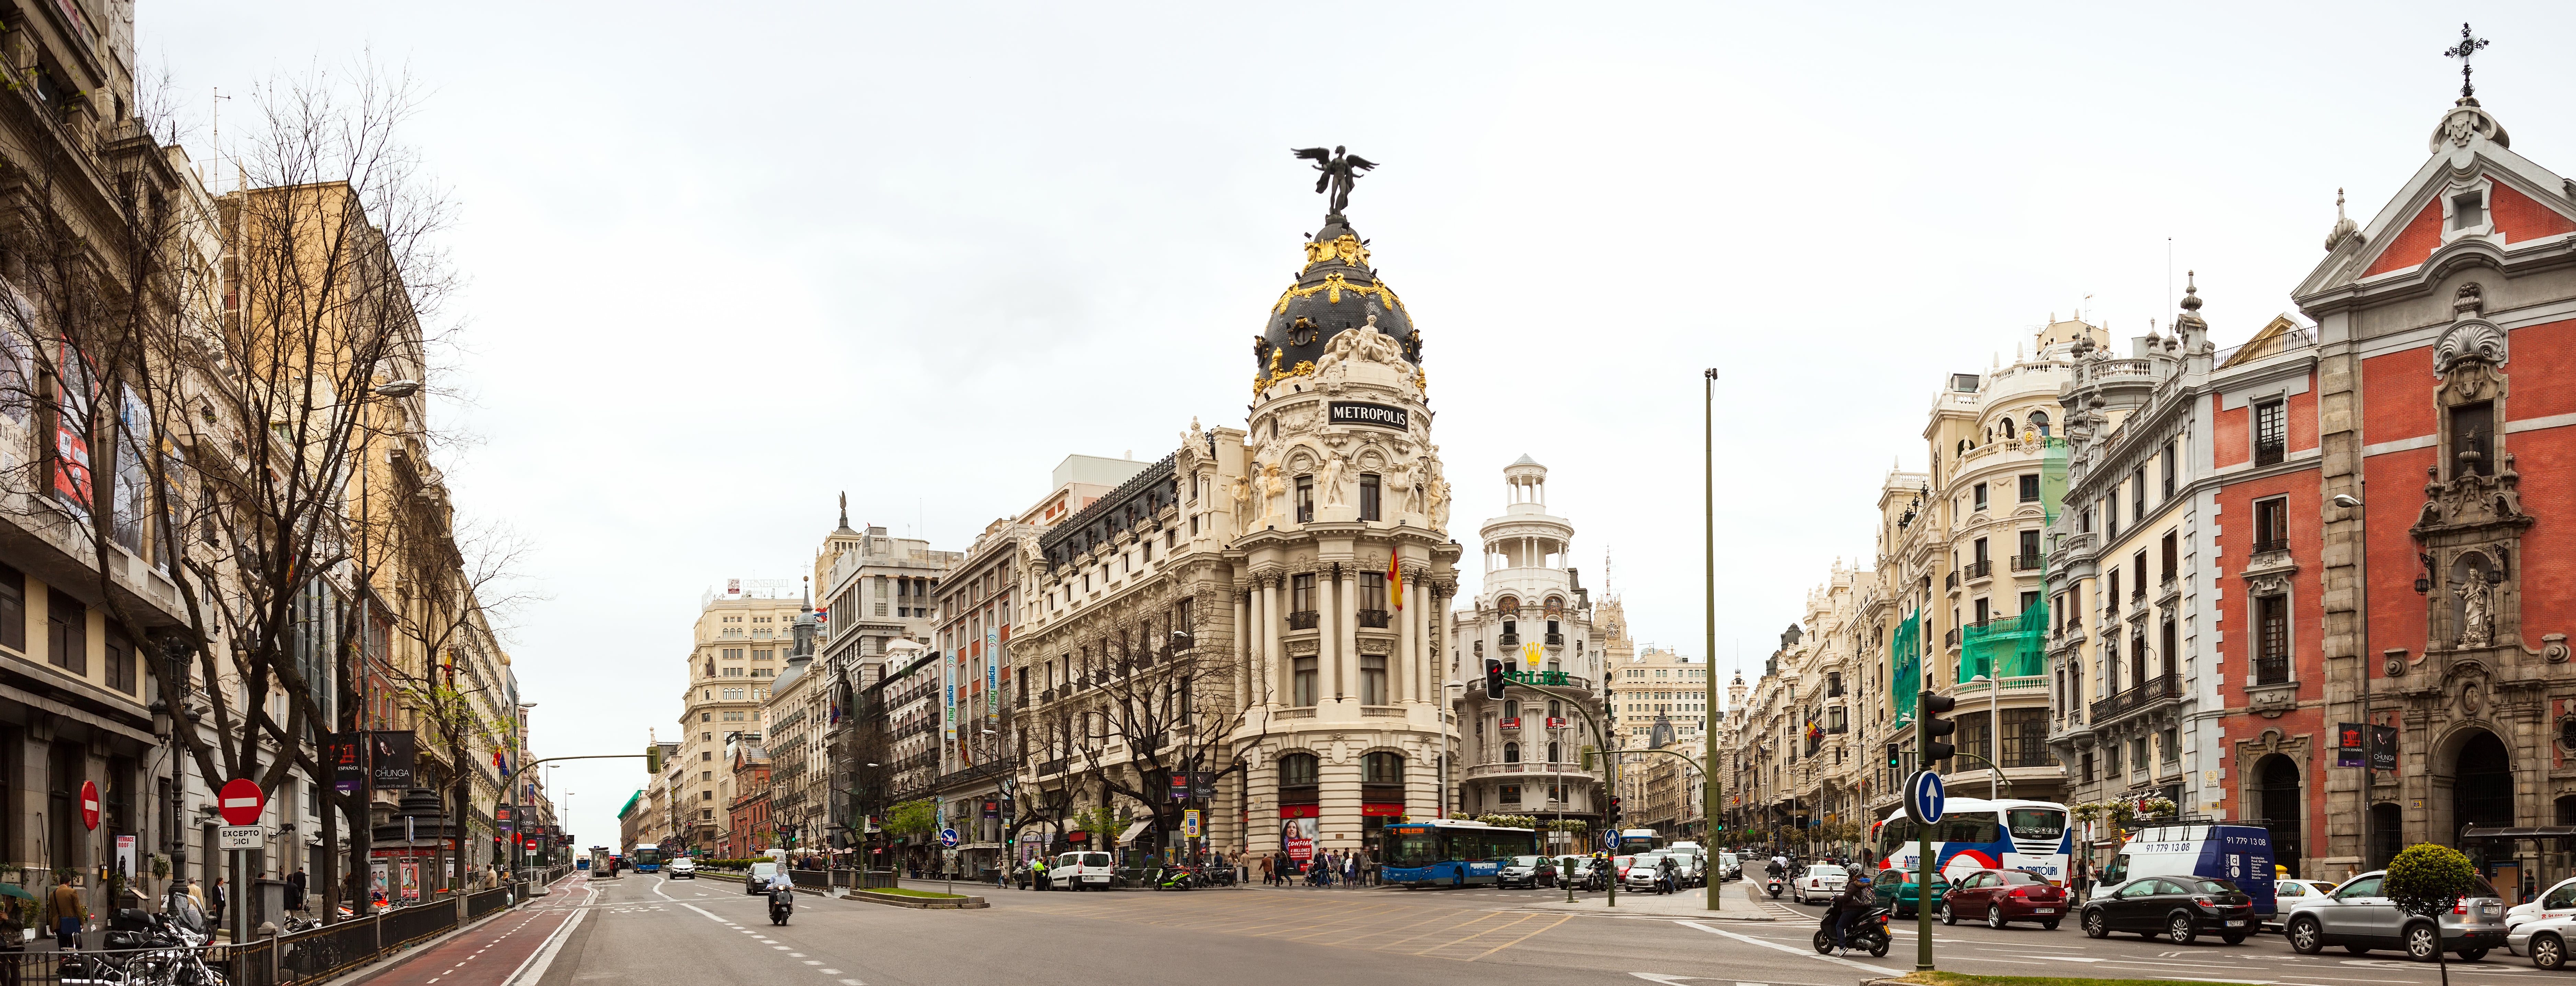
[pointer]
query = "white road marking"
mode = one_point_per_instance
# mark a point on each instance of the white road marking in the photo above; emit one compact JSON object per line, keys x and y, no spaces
{"x":829,"y":972}
{"x":1750,"y":940}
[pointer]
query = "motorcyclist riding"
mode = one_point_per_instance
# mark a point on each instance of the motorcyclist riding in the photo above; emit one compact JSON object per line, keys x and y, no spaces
{"x":1665,"y":875}
{"x":1858,"y":898}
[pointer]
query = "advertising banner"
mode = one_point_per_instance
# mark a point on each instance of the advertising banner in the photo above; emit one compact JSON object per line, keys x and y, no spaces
{"x":2348,"y":744}
{"x":390,"y":754}
{"x":2383,"y":748}
{"x":348,"y":762}
{"x":1297,"y":835}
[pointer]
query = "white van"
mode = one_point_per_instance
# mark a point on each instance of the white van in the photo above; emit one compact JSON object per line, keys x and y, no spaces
{"x":1082,"y":871}
{"x":2558,"y":901}
{"x":2239,"y":854}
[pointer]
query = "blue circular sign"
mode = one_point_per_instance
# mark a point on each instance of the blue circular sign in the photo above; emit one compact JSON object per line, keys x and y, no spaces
{"x":1610,"y":839}
{"x":948,"y":837}
{"x":1925,"y":797}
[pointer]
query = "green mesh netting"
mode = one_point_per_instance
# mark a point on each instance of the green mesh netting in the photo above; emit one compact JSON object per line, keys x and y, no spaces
{"x":1905,"y":654}
{"x":2017,"y":647}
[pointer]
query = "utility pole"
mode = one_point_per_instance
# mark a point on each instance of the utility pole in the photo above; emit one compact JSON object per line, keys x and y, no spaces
{"x":1709,"y":793}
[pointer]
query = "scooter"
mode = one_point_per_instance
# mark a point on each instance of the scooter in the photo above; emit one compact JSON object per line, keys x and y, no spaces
{"x":1868,"y":933}
{"x":782,"y":902}
{"x":1774,"y":885}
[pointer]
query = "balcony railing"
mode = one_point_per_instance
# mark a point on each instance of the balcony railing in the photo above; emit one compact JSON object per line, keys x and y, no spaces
{"x":1508,"y":641}
{"x":1375,"y":618}
{"x":2154,"y":691}
{"x":2274,"y":544}
{"x":1304,"y":619}
{"x":2272,"y":669}
{"x":1950,"y":581}
{"x":2270,"y":453}
{"x":1556,"y":640}
{"x":1980,"y":569}
{"x":1950,"y":639}
{"x":2025,"y":563}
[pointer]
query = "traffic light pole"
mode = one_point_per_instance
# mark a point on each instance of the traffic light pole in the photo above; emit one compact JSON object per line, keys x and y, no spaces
{"x":1610,"y":762}
{"x":1928,"y":751}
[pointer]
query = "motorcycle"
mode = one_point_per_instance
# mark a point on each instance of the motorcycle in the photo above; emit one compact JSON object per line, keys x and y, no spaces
{"x":1175,"y":878}
{"x":1868,"y":934}
{"x":782,"y":902}
{"x":1774,"y":885}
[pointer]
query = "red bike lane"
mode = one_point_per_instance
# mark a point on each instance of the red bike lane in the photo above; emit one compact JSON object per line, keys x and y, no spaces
{"x":497,"y":951}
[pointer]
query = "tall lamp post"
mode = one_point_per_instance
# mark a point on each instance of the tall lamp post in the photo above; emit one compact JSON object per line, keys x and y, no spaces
{"x":1708,"y":672}
{"x":2370,"y":730}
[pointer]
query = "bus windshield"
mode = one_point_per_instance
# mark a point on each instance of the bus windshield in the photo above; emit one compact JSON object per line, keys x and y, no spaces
{"x":2036,"y":823}
{"x":1411,"y":847}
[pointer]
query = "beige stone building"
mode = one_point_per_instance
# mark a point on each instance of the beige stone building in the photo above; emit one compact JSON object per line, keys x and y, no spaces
{"x":742,"y":636}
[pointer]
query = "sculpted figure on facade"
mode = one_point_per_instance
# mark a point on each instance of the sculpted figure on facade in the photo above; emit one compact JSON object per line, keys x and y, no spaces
{"x":1377,"y":346}
{"x":1335,"y":472}
{"x":1274,"y":490}
{"x":2475,"y":621}
{"x":1399,"y":481}
{"x":1242,"y":498}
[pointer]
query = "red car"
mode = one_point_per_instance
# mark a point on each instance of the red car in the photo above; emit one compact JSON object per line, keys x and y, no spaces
{"x":2003,"y":896}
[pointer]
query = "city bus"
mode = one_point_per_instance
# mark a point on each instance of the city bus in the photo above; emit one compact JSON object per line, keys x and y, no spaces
{"x":1632,"y":841}
{"x":1977,"y":834}
{"x":1450,"y":852}
{"x":645,"y":859}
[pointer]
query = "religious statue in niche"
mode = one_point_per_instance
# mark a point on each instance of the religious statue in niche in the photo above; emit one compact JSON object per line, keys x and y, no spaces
{"x":2476,"y":597}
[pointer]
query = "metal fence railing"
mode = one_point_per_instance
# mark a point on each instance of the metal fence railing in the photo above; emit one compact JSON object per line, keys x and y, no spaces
{"x":871,"y":879}
{"x":317,"y":955}
{"x":482,"y":902}
{"x":406,"y":925}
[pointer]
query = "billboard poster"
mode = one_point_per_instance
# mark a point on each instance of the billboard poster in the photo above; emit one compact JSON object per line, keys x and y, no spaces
{"x":74,"y":396}
{"x":348,"y":762}
{"x":410,"y":879}
{"x":2348,"y":744}
{"x":391,"y":753}
{"x":1298,"y":828}
{"x":2383,"y":748}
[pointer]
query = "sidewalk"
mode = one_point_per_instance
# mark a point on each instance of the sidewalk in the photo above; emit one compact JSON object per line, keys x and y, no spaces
{"x":1690,"y":904}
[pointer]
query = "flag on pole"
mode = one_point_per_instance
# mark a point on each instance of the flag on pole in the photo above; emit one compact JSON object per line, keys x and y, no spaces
{"x":1394,"y":581}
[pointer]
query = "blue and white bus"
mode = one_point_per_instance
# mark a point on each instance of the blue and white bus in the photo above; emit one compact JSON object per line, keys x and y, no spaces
{"x":1976,"y":834}
{"x":1450,"y":852}
{"x":645,"y":859}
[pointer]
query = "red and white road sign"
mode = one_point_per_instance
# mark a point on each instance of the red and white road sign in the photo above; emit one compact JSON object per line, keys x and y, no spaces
{"x":240,"y":801}
{"x":89,"y":804}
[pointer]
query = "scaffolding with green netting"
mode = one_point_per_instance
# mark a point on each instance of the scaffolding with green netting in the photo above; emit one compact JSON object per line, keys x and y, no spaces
{"x":1905,"y":654}
{"x":2017,"y":647}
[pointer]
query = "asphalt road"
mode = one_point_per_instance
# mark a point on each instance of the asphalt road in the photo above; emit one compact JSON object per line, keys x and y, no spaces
{"x":645,"y":929}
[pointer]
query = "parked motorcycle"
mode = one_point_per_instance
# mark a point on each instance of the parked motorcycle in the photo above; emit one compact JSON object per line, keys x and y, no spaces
{"x":782,"y":902}
{"x":1868,"y":933}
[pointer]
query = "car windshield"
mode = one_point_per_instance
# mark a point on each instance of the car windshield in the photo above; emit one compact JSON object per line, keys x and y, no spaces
{"x":1623,"y":860}
{"x":2212,"y":885}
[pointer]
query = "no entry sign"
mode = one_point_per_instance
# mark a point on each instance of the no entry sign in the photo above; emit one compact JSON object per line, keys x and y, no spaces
{"x":89,"y":804}
{"x":239,"y":801}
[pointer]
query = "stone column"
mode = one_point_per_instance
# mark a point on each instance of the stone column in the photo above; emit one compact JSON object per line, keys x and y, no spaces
{"x":1328,"y":636}
{"x":1268,"y":634}
{"x":1348,"y":585}
{"x":1399,"y":672}
{"x":1251,"y":671}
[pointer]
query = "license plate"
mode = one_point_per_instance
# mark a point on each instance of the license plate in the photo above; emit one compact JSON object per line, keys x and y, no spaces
{"x":2235,"y":924}
{"x":2043,"y":910}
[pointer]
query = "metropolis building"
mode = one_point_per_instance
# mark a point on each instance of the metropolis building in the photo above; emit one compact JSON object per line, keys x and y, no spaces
{"x":1246,"y":627}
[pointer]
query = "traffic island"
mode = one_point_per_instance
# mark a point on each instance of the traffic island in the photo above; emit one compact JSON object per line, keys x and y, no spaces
{"x":923,"y":899}
{"x":1963,"y":979}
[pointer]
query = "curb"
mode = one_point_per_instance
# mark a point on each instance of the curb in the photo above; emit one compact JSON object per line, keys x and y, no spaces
{"x":917,"y":903}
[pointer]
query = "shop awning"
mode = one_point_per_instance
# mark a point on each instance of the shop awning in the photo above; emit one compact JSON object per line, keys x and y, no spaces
{"x":1134,"y":830}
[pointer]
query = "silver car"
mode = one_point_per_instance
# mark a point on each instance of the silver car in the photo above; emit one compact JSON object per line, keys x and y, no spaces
{"x":2544,"y":940}
{"x":2359,"y":917}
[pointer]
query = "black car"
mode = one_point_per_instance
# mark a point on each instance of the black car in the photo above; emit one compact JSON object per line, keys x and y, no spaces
{"x":2177,"y":908}
{"x":1526,"y":871}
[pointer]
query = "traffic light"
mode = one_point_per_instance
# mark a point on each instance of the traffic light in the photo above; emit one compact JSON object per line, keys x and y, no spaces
{"x":653,"y":759}
{"x":1493,"y":678}
{"x":1891,"y":755}
{"x":1930,"y":730}
{"x":1614,"y":811}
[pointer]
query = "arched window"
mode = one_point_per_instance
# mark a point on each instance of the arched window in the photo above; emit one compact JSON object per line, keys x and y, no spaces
{"x":1382,"y":768}
{"x":1555,"y":708}
{"x":2039,"y":423}
{"x":1554,"y":753}
{"x":1511,"y":753}
{"x":2008,"y":429}
{"x":1297,"y":769}
{"x":1511,"y":708}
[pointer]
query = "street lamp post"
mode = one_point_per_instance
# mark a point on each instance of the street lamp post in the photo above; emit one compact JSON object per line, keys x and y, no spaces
{"x":1708,"y":672}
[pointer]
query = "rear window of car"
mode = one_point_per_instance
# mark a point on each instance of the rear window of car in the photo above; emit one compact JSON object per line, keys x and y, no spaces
{"x":2018,"y":877}
{"x":2211,"y":885}
{"x":1823,"y":870}
{"x":1095,"y":859}
{"x":2484,"y":889}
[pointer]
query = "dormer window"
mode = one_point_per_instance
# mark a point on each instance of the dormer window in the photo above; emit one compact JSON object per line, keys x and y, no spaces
{"x":2468,"y":210}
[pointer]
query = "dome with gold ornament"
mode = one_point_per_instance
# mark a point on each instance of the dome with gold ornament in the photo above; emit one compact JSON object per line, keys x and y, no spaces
{"x":1335,"y":292}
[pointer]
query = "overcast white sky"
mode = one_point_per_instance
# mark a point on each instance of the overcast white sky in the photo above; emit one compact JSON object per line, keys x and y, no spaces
{"x":729,"y":260}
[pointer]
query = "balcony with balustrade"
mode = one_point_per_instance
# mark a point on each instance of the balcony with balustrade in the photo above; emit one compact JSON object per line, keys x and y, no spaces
{"x":2153,"y":693}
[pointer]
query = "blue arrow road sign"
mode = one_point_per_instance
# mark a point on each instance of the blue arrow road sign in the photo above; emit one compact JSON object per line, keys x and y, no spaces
{"x":948,"y":837}
{"x":1924,"y":797}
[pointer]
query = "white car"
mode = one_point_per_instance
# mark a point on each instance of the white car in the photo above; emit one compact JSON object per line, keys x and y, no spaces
{"x":1821,"y":882}
{"x":2543,"y":941}
{"x":1082,"y":871}
{"x":1641,"y":874}
{"x":757,"y":883}
{"x":682,"y":868}
{"x":2557,"y":902}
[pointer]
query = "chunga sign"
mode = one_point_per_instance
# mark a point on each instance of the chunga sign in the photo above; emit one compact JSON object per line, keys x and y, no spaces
{"x":1358,"y":413}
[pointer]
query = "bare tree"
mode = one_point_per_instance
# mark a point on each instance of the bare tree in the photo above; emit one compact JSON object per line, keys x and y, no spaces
{"x":1157,"y":707}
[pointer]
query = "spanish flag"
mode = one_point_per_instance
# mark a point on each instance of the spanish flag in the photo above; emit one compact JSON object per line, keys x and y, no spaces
{"x":1394,"y":581}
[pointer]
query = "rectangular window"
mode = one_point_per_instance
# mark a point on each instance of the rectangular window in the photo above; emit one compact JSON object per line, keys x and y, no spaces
{"x":1368,"y":496}
{"x":66,"y":633}
{"x":2271,"y":640}
{"x":2111,"y":514}
{"x":2138,"y":575}
{"x":1977,"y":493}
{"x":2272,"y":525}
{"x":1982,"y":612}
{"x":1373,"y":679}
{"x":2030,"y":488}
{"x":2170,"y":642}
{"x":1301,"y":593}
{"x":2111,"y":592}
{"x":2172,"y":743}
{"x":2138,"y":496}
{"x":1305,"y":499}
{"x":2172,"y":557}
{"x":120,"y":663}
{"x":1373,"y":591}
{"x":2169,"y":470}
{"x":2473,"y":431}
{"x":13,"y":609}
{"x":1305,"y":683}
{"x":2026,"y":559}
{"x":2271,"y":433}
{"x":2025,"y":740}
{"x":2084,"y":767}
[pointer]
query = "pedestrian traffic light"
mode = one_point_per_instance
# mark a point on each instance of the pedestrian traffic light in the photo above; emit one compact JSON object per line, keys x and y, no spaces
{"x":1891,"y":755}
{"x":1930,"y":729}
{"x":1493,"y":678}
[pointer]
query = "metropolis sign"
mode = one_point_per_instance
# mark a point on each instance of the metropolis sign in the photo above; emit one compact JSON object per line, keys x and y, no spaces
{"x":1357,"y":413}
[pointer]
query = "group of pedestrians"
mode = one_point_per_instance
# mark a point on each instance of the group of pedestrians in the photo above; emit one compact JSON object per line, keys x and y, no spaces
{"x":1324,"y":869}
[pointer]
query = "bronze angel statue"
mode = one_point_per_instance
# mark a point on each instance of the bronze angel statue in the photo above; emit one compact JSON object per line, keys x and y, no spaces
{"x":1339,"y":169}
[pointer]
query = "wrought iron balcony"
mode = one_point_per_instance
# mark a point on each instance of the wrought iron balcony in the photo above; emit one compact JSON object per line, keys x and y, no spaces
{"x":1375,"y":618}
{"x":1950,"y":639}
{"x":1980,"y":569}
{"x":1304,"y":619}
{"x":2273,"y":544}
{"x":1508,"y":641}
{"x":2025,"y":563}
{"x":2270,"y":453}
{"x":1950,"y":581}
{"x":1556,"y":640}
{"x":2149,"y":694}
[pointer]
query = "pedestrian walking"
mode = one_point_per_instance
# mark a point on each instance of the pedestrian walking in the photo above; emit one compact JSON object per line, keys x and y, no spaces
{"x":295,"y":887}
{"x":218,"y":902}
{"x":64,"y":912}
{"x":1265,"y":871}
